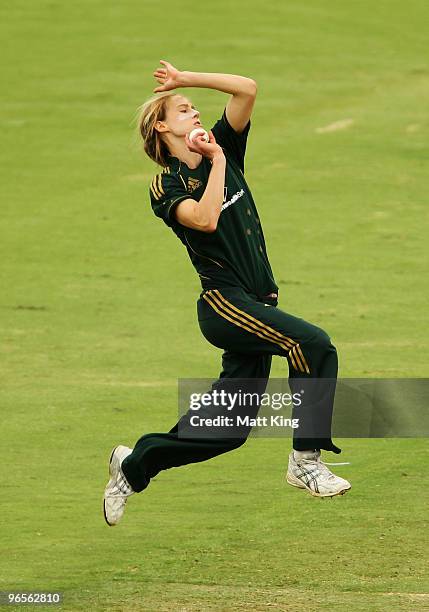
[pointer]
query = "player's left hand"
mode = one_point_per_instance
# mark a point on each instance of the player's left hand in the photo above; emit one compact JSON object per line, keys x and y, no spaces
{"x":167,"y":76}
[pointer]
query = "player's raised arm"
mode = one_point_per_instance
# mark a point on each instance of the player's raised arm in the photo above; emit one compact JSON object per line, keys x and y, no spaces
{"x":243,"y":90}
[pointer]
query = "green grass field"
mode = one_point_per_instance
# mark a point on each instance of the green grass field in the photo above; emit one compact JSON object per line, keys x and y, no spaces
{"x":98,"y":301}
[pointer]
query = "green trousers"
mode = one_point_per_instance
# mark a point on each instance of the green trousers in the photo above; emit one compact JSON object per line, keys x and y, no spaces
{"x":249,"y":330}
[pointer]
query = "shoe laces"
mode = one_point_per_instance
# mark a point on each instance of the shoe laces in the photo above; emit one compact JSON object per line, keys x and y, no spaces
{"x":122,"y":487}
{"x":320,"y":465}
{"x":325,"y":470}
{"x":115,"y":495}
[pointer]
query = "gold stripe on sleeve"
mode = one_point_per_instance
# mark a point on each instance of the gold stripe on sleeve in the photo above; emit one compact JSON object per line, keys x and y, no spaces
{"x":154,"y":189}
{"x":159,"y":184}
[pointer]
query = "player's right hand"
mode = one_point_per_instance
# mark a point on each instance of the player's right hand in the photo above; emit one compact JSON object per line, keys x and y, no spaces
{"x":208,"y":149}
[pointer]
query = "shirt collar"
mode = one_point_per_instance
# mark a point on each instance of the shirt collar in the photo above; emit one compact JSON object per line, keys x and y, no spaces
{"x":176,"y":165}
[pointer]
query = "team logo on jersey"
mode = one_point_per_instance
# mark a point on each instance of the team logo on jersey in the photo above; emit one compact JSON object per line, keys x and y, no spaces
{"x":193,"y":184}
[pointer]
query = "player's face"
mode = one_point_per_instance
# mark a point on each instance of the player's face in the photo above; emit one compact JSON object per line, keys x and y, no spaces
{"x":181,"y":117}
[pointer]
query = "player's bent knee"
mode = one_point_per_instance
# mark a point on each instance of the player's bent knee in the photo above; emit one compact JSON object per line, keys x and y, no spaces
{"x":322,"y":341}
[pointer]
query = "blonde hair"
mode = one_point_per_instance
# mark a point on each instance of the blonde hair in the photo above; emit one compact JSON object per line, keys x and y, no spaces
{"x":149,"y":113}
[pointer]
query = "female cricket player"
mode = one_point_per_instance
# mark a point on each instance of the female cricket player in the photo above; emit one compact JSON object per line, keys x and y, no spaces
{"x":202,"y":195}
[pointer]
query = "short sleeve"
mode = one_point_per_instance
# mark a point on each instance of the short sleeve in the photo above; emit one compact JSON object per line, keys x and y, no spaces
{"x":233,"y":142}
{"x":166,"y":192}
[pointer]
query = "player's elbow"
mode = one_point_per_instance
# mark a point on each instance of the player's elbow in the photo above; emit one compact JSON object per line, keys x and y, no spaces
{"x":253,"y":87}
{"x":209,"y":227}
{"x":207,"y":220}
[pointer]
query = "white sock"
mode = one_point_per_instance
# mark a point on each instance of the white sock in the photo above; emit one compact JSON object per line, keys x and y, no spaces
{"x":307,"y":454}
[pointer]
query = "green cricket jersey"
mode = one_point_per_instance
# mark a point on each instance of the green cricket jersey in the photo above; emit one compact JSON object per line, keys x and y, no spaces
{"x":235,"y":254}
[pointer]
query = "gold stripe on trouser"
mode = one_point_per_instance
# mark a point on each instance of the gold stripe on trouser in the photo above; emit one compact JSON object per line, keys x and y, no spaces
{"x":291,"y":357}
{"x":253,"y":322}
{"x":263,"y":330}
{"x":272,"y":331}
{"x":295,"y":352}
{"x":266,"y":334}
{"x":307,"y":369}
{"x":223,"y":314}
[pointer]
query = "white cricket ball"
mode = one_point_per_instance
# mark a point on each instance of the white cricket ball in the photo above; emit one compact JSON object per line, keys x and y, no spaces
{"x":198,"y":132}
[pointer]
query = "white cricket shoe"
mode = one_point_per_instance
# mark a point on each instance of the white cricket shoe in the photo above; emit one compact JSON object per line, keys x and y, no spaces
{"x":310,"y":473}
{"x":118,"y":488}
